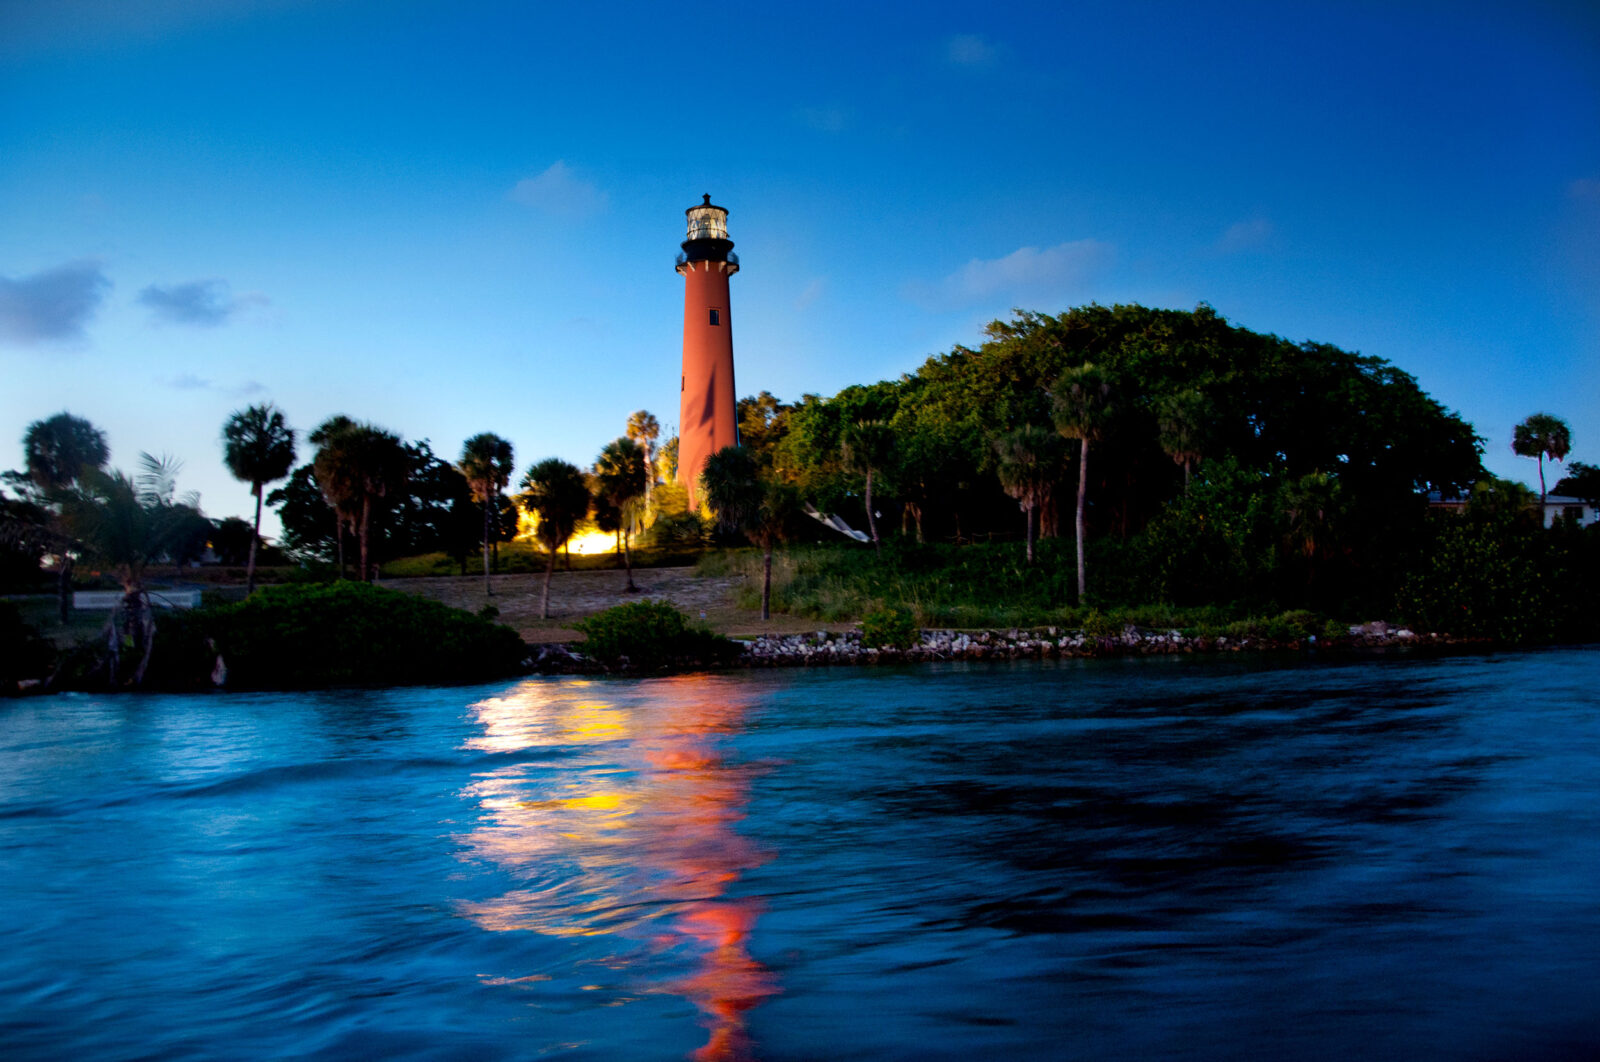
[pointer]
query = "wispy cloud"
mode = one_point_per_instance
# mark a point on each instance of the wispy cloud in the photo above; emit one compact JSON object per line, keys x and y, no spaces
{"x":1249,"y":235}
{"x":51,"y":306}
{"x":1585,"y":188}
{"x":203,"y":303}
{"x":1028,"y":271}
{"x":559,"y":190}
{"x":823,"y":119}
{"x":969,"y":49}
{"x":810,"y":293}
{"x":190,"y":382}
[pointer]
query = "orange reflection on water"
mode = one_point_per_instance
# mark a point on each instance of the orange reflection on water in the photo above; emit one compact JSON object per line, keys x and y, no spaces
{"x":638,"y":840}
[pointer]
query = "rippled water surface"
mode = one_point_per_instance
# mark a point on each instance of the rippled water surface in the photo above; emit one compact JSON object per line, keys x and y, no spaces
{"x":1105,"y":859}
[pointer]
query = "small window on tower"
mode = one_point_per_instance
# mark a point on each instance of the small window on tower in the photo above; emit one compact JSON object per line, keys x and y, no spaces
{"x":716,"y":317}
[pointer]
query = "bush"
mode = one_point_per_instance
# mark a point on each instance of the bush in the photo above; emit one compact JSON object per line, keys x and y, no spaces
{"x":676,"y":531}
{"x":23,"y":653}
{"x":1102,"y":628}
{"x":889,"y":628}
{"x":649,"y":634}
{"x":306,"y":636}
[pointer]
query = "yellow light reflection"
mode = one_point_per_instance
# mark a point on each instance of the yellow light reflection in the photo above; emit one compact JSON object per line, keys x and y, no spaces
{"x":638,"y":842}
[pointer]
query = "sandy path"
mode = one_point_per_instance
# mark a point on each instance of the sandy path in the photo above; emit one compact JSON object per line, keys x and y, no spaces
{"x":574,"y":595}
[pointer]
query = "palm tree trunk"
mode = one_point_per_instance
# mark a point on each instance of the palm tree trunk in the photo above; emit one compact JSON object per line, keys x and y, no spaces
{"x":250,"y":565}
{"x":144,"y":633}
{"x":1541,"y":486}
{"x":1027,"y":519}
{"x":1083,"y":491}
{"x":64,"y":587}
{"x":544,"y":599}
{"x":627,"y":560}
{"x":766,"y":584}
{"x":872,"y":523}
{"x":366,"y":523}
{"x":488,"y":588}
{"x":338,"y":537}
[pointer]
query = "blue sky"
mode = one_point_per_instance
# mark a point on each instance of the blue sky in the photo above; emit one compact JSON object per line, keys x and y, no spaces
{"x":458,"y":217}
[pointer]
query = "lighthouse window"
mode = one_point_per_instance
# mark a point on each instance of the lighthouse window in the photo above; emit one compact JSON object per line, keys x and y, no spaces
{"x":716,"y":317}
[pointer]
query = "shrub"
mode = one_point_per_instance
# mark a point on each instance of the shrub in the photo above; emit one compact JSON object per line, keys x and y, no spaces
{"x":648,"y":634}
{"x":889,"y":628}
{"x":306,"y":636}
{"x":1100,"y":627}
{"x":23,"y":653}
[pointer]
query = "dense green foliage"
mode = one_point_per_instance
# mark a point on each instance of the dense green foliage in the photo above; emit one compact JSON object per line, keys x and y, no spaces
{"x":1494,"y":572}
{"x":650,"y":634}
{"x":1581,"y":481}
{"x":889,"y":628}
{"x":432,"y":511}
{"x":337,"y":634}
{"x":1311,"y":462}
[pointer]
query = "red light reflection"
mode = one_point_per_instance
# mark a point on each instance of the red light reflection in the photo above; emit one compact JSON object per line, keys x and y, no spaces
{"x":649,"y":848}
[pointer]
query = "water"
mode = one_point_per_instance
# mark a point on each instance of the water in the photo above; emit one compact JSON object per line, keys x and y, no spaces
{"x":1144,"y":859}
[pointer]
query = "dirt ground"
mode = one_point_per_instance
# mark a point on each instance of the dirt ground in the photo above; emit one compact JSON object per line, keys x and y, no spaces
{"x":574,"y":595}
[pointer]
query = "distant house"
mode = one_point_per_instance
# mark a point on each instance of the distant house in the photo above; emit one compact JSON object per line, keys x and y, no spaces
{"x":1556,"y":507}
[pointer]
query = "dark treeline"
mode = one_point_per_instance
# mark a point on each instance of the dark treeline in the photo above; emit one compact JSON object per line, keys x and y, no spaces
{"x":1222,"y":465}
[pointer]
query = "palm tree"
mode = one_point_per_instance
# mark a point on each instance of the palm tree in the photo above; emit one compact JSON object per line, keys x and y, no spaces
{"x":1030,"y":461}
{"x":1182,"y":420}
{"x":1541,"y":435}
{"x":59,"y":451}
{"x":622,"y":479}
{"x":1083,"y":410}
{"x":356,"y":466}
{"x":1311,"y":506}
{"x":554,"y":491}
{"x":127,"y":523}
{"x":866,"y":447}
{"x":644,"y":429}
{"x":331,"y":473}
{"x":258,"y":448}
{"x":746,"y":499}
{"x":487,"y":462}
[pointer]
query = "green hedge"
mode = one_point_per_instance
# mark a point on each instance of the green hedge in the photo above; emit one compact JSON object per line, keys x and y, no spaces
{"x":338,"y":634}
{"x":650,"y":634}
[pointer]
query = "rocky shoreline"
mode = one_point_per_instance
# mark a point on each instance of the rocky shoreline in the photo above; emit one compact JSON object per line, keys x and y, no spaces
{"x":824,"y":648}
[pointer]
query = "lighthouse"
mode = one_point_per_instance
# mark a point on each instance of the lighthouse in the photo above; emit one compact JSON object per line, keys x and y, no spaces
{"x":707,"y":409}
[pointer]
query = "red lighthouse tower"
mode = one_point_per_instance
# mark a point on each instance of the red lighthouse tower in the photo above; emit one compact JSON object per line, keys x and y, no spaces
{"x":707,"y":415}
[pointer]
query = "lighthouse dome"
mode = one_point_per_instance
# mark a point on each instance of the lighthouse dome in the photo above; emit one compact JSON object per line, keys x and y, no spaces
{"x":707,"y":221}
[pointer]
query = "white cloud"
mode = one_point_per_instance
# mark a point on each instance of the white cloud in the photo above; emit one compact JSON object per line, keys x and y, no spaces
{"x":1248,"y":235}
{"x":190,"y":382}
{"x":1056,"y":272}
{"x":969,"y":49}
{"x":51,"y":306}
{"x":558,"y":190}
{"x":205,"y":303}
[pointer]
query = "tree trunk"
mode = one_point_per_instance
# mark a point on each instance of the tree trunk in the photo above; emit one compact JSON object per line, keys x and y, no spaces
{"x":1027,"y":519}
{"x":338,"y":537}
{"x":766,"y":584}
{"x":544,"y":599}
{"x":250,"y":565}
{"x":627,"y":560}
{"x":1083,"y":490}
{"x":144,"y":627}
{"x":366,"y":524}
{"x":1541,"y":486}
{"x":488,"y":587}
{"x":872,"y":523}
{"x":64,"y":587}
